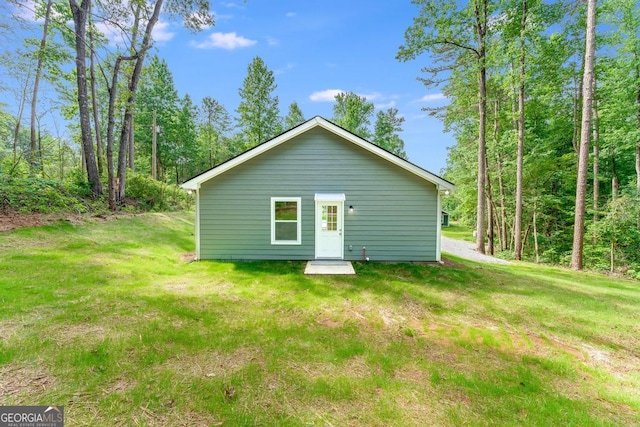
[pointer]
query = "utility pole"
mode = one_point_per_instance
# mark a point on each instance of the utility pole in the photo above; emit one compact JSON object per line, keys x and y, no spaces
{"x":153,"y":147}
{"x":131,"y":146}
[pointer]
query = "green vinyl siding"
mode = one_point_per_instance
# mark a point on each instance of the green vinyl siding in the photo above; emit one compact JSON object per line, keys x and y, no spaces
{"x":394,"y":217}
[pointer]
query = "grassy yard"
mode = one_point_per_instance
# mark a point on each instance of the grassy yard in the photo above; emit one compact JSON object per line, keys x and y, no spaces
{"x":457,"y":231}
{"x":111,"y":321}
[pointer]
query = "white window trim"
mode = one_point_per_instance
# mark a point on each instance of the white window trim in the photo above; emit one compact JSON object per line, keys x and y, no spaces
{"x":273,"y":220}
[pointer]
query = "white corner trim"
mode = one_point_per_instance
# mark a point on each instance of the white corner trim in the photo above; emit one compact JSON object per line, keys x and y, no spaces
{"x":197,"y":225}
{"x":438,"y":227}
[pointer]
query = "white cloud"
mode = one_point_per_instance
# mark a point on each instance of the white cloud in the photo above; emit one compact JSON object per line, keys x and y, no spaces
{"x":290,"y":14}
{"x":432,"y":97}
{"x":228,"y":41}
{"x":113,"y":34}
{"x":370,"y":96}
{"x":161,"y":32}
{"x":328,"y":95}
{"x":284,"y":69}
{"x":389,"y":104}
{"x":271,"y":41}
{"x":116,"y":36}
{"x":26,"y":10}
{"x":222,"y":17}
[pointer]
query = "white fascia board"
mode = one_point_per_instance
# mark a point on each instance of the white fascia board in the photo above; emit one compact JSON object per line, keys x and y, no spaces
{"x":194,"y":183}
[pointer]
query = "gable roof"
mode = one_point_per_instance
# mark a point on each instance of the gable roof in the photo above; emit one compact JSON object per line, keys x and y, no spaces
{"x":195,"y":182}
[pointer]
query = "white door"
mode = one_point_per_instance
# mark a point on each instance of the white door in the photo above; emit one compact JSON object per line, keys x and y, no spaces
{"x":329,"y":224}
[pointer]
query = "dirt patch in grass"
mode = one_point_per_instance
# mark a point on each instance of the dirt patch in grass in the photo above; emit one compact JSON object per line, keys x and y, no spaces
{"x":446,"y":262}
{"x":78,"y":332}
{"x":215,"y":363}
{"x":188,"y":257}
{"x":27,"y":380}
{"x":120,"y":385}
{"x":8,"y":329}
{"x":538,"y":341}
{"x":355,"y":367}
{"x":11,"y":221}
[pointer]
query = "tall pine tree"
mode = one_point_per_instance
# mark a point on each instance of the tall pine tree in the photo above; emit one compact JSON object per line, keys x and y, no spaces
{"x":259,"y":114}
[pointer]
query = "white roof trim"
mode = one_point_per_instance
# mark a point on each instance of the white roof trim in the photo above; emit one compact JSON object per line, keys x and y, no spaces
{"x":328,"y":197}
{"x":195,"y":182}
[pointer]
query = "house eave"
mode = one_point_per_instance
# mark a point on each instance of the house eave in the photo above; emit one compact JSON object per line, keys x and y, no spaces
{"x":195,"y":182}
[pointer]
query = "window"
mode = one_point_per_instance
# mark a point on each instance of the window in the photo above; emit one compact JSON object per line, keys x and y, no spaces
{"x":285,"y":220}
{"x":329,"y":217}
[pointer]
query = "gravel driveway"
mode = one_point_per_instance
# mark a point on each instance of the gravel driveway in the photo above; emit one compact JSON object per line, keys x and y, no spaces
{"x":466,"y":250}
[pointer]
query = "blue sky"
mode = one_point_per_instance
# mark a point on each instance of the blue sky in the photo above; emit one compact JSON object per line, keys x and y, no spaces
{"x":314,"y":48}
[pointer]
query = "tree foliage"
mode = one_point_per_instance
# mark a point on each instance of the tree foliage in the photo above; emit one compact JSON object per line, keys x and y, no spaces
{"x":258,"y":112}
{"x":386,"y":132}
{"x":353,"y":112}
{"x":294,"y":117}
{"x":553,"y":45}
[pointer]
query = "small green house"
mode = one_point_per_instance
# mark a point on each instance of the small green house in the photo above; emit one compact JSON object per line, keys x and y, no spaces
{"x":318,"y":191}
{"x":445,"y":219}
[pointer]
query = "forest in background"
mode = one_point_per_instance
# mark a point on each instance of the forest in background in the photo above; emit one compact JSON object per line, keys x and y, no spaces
{"x":126,"y":118}
{"x":512,"y":70}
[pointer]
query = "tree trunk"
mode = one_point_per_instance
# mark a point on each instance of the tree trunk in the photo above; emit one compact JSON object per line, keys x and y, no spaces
{"x":596,"y":171}
{"x":585,"y":130}
{"x":154,"y":145}
{"x":503,"y":207}
{"x":520,"y":149}
{"x":128,"y":113}
{"x":134,"y":42}
{"x":638,"y":142}
{"x":614,"y":178}
{"x":110,"y":125}
{"x":131,"y":145}
{"x":535,"y":234}
{"x":490,"y":226}
{"x":481,"y":31}
{"x":16,"y":128}
{"x":94,"y":101}
{"x":36,"y":84}
{"x":80,"y":24}
{"x":489,"y":211}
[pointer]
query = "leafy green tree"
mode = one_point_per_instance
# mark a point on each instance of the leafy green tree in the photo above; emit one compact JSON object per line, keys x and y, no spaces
{"x":80,"y":14}
{"x":259,"y":114}
{"x":157,"y":92}
{"x":386,"y":132}
{"x":294,"y":116}
{"x":456,"y":34}
{"x":183,"y":136}
{"x":353,"y":112}
{"x":215,"y":124}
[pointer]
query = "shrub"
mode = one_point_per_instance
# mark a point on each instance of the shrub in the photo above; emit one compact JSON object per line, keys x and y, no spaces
{"x":41,"y":195}
{"x":148,"y":194}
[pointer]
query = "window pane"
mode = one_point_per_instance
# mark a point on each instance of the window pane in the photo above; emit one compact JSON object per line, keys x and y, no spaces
{"x":332,"y":218}
{"x":329,"y":217}
{"x":286,"y":230}
{"x":287,"y":211}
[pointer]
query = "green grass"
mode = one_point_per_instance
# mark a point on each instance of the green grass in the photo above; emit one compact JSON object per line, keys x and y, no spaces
{"x":110,"y":321}
{"x":457,"y":231}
